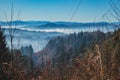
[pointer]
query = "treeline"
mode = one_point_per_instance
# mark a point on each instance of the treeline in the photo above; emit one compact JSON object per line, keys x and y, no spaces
{"x":63,"y":48}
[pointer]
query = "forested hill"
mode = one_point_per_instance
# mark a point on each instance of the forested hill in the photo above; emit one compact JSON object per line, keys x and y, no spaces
{"x":102,"y":62}
{"x":63,"y":48}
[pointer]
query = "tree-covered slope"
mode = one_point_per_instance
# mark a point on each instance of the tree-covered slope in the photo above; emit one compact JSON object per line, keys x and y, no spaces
{"x":102,"y":62}
{"x":66,"y":47}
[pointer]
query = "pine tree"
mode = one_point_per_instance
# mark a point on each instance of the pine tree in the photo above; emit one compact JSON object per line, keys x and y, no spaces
{"x":4,"y":52}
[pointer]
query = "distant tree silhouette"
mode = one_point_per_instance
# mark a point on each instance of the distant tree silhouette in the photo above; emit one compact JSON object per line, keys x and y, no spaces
{"x":4,"y":52}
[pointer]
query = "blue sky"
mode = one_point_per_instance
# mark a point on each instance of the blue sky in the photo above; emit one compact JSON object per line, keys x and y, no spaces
{"x":56,"y":10}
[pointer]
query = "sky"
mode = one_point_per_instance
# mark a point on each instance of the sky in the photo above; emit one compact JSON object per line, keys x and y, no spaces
{"x":55,"y":10}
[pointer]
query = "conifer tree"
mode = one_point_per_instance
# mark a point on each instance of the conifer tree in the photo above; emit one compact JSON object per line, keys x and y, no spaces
{"x":4,"y":52}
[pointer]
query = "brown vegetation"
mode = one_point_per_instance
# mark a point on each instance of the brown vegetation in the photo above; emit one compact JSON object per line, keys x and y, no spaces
{"x":101,"y":63}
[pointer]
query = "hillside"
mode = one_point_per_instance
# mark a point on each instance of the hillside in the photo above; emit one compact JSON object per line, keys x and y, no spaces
{"x":67,"y":47}
{"x":100,"y":63}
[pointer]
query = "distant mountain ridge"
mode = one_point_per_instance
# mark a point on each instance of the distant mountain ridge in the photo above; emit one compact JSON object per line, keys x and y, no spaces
{"x":19,"y":22}
{"x":51,"y":24}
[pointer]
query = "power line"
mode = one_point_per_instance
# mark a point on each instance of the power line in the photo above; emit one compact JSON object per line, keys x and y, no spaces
{"x":76,"y":9}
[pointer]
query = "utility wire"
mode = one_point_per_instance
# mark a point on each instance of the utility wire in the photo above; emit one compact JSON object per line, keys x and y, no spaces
{"x":75,"y":11}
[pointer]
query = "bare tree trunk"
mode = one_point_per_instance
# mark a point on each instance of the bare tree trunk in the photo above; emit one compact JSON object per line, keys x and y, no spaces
{"x":12,"y":31}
